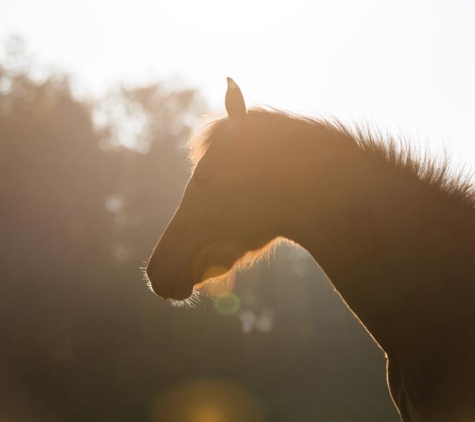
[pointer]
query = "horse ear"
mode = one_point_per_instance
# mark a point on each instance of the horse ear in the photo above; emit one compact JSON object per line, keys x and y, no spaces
{"x":234,"y":101}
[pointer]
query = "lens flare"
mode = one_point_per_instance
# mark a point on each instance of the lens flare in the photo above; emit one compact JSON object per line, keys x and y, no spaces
{"x":212,"y":268}
{"x":208,"y":401}
{"x":215,"y":285}
{"x":227,"y":304}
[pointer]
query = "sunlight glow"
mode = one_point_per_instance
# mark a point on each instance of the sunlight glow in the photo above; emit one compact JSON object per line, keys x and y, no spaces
{"x":208,"y":401}
{"x":344,"y":58}
{"x":217,"y":279}
{"x":217,"y":289}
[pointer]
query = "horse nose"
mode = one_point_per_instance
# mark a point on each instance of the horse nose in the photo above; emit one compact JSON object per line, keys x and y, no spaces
{"x":149,"y":273}
{"x":156,"y":287}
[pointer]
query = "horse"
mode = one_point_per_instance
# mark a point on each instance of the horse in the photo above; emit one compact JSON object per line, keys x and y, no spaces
{"x":393,"y":229}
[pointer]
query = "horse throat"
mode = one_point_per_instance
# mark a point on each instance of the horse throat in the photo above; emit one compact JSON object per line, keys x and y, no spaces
{"x":396,"y":249}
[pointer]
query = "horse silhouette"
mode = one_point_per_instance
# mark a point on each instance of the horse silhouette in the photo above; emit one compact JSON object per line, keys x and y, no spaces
{"x":393,"y":231}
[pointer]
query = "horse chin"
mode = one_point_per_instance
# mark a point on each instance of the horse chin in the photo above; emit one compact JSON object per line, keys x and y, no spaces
{"x":175,"y":296}
{"x":189,"y":301}
{"x":180,"y":294}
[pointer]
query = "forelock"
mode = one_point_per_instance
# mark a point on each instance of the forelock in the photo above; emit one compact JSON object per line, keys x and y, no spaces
{"x":205,"y":132}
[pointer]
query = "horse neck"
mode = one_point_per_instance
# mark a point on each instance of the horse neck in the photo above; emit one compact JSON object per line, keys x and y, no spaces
{"x":394,"y":247}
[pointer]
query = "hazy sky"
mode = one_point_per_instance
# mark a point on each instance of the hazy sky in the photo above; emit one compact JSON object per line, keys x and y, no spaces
{"x":406,"y":65}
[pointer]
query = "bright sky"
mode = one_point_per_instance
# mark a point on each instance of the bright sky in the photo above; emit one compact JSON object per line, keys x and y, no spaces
{"x":406,"y":65}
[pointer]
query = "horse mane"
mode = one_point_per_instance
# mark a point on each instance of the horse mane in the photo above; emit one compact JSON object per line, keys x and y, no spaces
{"x":203,"y":136}
{"x":394,"y":151}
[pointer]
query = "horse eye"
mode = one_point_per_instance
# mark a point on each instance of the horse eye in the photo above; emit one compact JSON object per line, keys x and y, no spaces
{"x":202,"y":179}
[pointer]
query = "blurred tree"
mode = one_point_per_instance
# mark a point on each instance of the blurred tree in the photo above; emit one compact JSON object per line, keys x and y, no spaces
{"x":153,"y":121}
{"x":71,"y":198}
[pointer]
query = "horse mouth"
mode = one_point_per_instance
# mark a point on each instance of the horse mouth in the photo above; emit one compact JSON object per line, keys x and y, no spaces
{"x":179,"y":294}
{"x":171,"y":292}
{"x":190,"y":302}
{"x":211,"y":262}
{"x":182,"y":298}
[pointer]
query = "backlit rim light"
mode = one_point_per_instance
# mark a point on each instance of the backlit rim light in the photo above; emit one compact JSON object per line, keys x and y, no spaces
{"x":191,"y":302}
{"x":249,"y":259}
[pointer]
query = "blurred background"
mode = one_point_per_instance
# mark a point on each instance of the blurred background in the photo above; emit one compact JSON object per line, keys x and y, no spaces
{"x":97,"y":99}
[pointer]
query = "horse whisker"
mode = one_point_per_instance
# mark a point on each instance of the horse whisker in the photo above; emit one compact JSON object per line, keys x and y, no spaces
{"x":190,"y":303}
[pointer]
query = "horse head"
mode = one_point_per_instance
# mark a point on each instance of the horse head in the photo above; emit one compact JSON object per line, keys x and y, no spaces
{"x":225,"y":209}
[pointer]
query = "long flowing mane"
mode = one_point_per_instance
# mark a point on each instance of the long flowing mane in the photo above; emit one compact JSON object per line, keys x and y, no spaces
{"x":394,"y":151}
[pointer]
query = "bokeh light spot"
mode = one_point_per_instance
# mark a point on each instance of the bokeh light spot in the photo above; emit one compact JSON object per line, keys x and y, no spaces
{"x":215,"y":271}
{"x":263,"y":321}
{"x":248,"y":319}
{"x":215,"y":260}
{"x":227,"y":304}
{"x":208,"y":401}
{"x":215,"y":285}
{"x":209,"y":412}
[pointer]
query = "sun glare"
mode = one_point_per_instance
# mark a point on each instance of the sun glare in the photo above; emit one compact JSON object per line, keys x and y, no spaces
{"x":208,"y":401}
{"x":345,"y":58}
